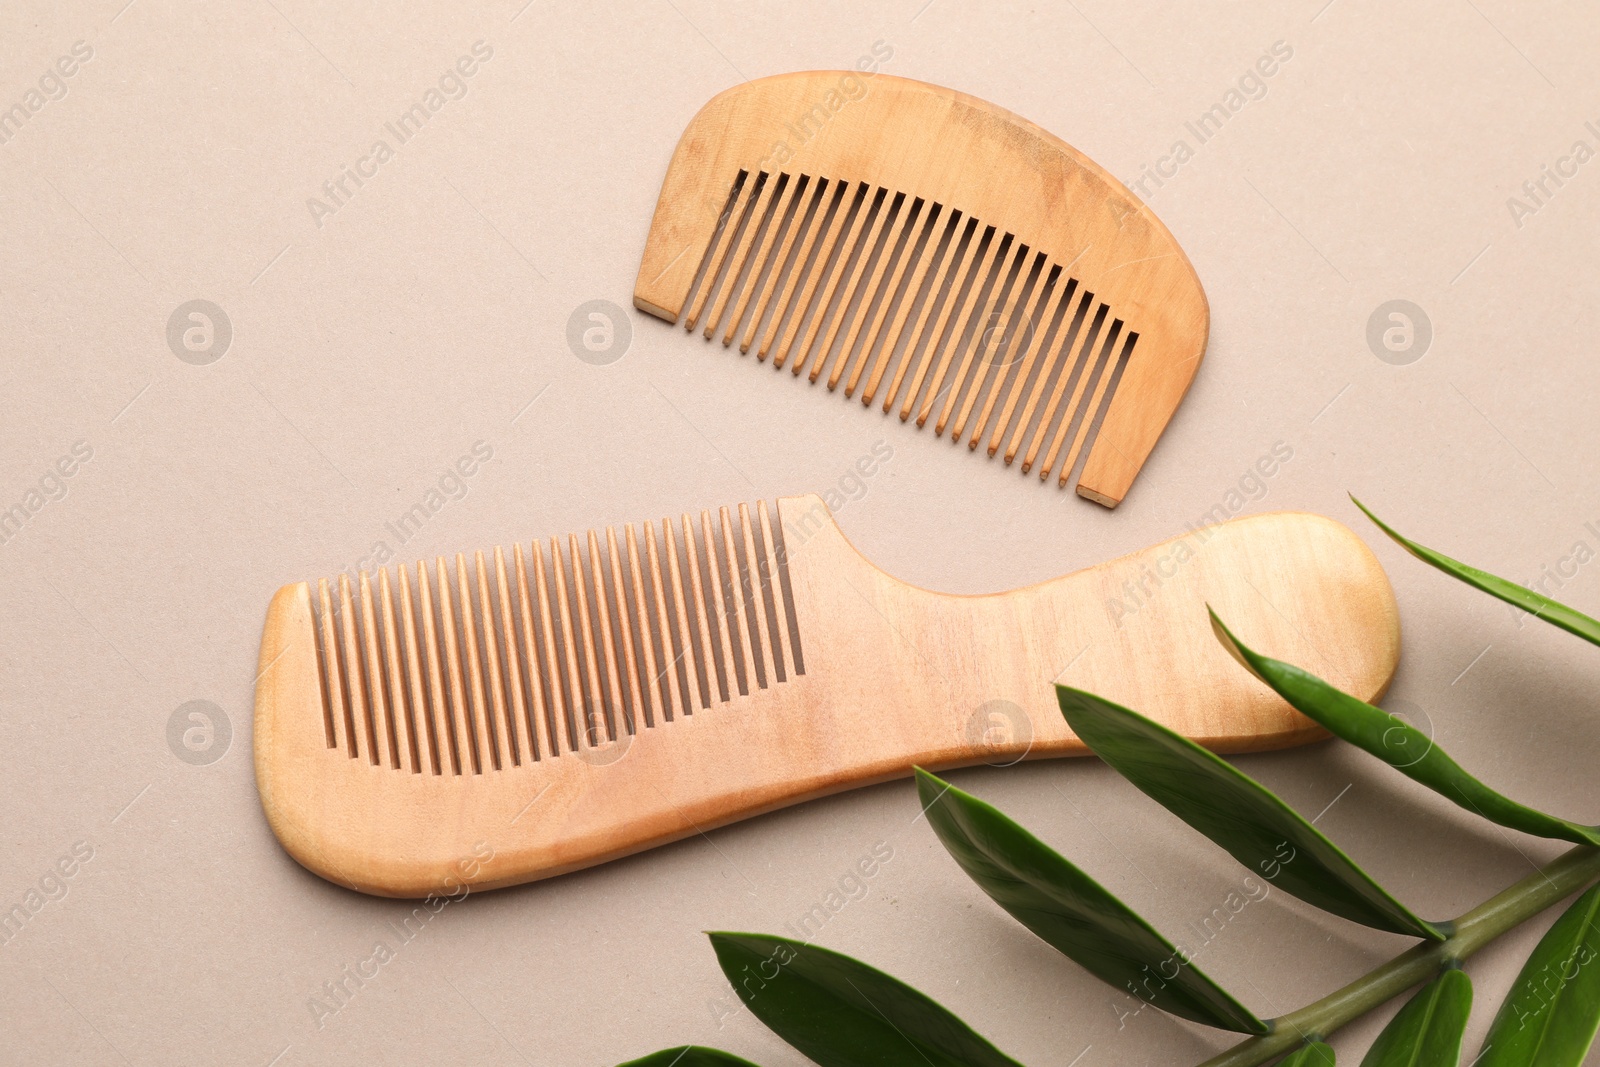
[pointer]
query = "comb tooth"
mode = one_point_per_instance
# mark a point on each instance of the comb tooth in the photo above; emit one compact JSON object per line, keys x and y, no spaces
{"x":461,"y":724}
{"x":636,"y":640}
{"x":595,"y":709}
{"x":1103,"y":368}
{"x":616,"y":695}
{"x":754,"y":213}
{"x":484,"y":735}
{"x":819,"y":267}
{"x":805,"y":195}
{"x":382,"y":717}
{"x":576,"y":704}
{"x":768,"y":199}
{"x":951,"y":283}
{"x":1040,"y":315}
{"x":721,"y":240}
{"x":399,"y":707}
{"x":503,"y":729}
{"x":782,"y":651}
{"x":725,"y":611}
{"x":335,"y":706}
{"x":917,"y":223}
{"x":656,"y":628}
{"x":987,"y":358}
{"x":713,"y":669}
{"x":738,"y":625}
{"x":851,"y":247}
{"x":951,"y":344}
{"x":942,"y":255}
{"x":684,"y":651}
{"x":1080,"y":368}
{"x":1101,"y":407}
{"x":535,"y":708}
{"x":997,"y":289}
{"x":354,"y":684}
{"x":887,"y":205}
{"x":831,"y":202}
{"x":780,"y":552}
{"x":761,"y":262}
{"x":650,"y":680}
{"x":1034,"y":280}
{"x":560,"y":707}
{"x":1059,"y":358}
{"x":440,"y":705}
{"x":509,"y":684}
{"x":754,"y":598}
{"x":905,"y":213}
{"x":419,"y":717}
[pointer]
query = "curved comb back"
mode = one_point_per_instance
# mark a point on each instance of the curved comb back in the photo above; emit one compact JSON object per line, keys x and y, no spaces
{"x":930,"y":248}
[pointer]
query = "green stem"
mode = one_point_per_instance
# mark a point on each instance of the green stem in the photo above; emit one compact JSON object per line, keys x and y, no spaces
{"x":1500,"y":913}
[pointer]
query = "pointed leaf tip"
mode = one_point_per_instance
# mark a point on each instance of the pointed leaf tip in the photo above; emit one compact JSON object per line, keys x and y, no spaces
{"x":1237,"y":813}
{"x":841,"y":1012}
{"x":1072,"y":912}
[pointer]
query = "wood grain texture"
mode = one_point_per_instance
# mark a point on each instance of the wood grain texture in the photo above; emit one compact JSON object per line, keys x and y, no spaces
{"x":793,"y":668}
{"x":886,"y":163}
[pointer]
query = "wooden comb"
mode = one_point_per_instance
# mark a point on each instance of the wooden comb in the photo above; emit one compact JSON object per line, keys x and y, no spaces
{"x":513,"y":716}
{"x":931,"y":249}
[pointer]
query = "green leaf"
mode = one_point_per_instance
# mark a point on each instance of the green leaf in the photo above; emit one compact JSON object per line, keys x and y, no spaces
{"x":1236,"y":812}
{"x":1073,"y":912}
{"x":689,"y":1056}
{"x":1312,"y":1054}
{"x":842,"y":1013}
{"x":1549,"y":1017}
{"x":1427,"y":1031}
{"x":1551,"y":611}
{"x":1406,"y":749}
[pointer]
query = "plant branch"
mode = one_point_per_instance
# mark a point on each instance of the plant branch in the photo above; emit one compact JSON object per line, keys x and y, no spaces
{"x":1499,"y":914}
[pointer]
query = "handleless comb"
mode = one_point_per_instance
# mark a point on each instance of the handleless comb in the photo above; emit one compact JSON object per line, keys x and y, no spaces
{"x":506,"y":716}
{"x":939,"y":255}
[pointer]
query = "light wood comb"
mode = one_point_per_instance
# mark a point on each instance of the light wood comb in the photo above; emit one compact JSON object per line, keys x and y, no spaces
{"x":939,"y":252}
{"x":515,"y":715}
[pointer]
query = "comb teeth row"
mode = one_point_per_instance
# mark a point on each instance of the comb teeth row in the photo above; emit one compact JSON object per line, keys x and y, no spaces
{"x":562,"y":649}
{"x":971,"y":327}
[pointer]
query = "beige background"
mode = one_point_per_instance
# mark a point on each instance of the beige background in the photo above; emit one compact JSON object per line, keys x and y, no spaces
{"x":425,"y":314}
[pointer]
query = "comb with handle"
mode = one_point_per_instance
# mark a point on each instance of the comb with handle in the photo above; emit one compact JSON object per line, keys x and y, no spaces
{"x":944,"y":257}
{"x":505,"y":716}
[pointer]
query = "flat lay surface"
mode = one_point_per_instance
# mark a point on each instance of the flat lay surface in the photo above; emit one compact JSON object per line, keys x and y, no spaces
{"x":290,"y":292}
